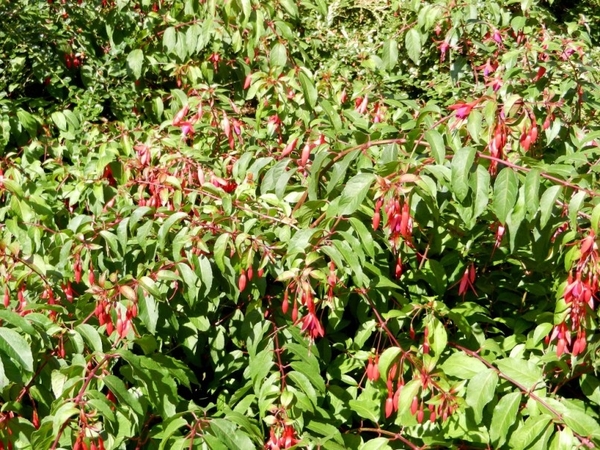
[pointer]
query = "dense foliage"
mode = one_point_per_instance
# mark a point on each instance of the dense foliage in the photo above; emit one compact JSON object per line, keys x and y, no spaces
{"x":342,"y":225}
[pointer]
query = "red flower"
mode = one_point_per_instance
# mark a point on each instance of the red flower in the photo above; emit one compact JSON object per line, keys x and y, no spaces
{"x":311,"y":324}
{"x":467,"y":280}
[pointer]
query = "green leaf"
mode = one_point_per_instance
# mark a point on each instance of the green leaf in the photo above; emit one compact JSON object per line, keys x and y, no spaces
{"x":16,"y":347}
{"x":230,"y":435}
{"x":206,"y":273}
{"x":527,"y":373}
{"x":172,"y":426}
{"x":313,"y":375}
{"x":506,"y":188}
{"x":18,"y":321}
{"x":582,"y":424}
{"x":364,"y":235}
{"x":308,"y":88}
{"x":148,"y":311}
{"x":91,"y":336}
{"x":352,"y":260}
{"x":379,"y":443}
{"x":532,"y":192}
{"x":461,"y":167}
{"x":505,"y":414}
{"x":28,"y":121}
{"x":460,"y":365}
{"x":149,"y":285}
{"x":191,"y":281}
{"x":390,"y":54}
{"x":595,"y":221}
{"x":327,"y":430}
{"x":135,"y":61}
{"x":170,"y":39}
{"x":530,"y":432}
{"x":481,"y":391}
{"x":547,"y":203}
{"x":438,"y":337}
{"x":59,"y":119}
{"x":260,"y":366}
{"x":290,"y":7}
{"x":516,"y":216}
{"x":125,"y":398}
{"x":436,"y":143}
{"x":480,"y":184}
{"x":408,"y":392}
{"x":278,"y":55}
{"x":590,"y":386}
{"x":575,"y":207}
{"x":386,"y":359}
{"x":474,"y":125}
{"x":564,"y":440}
{"x":112,"y":241}
{"x":354,"y":193}
{"x":64,"y":413}
{"x":219,"y":250}
{"x":99,"y":402}
{"x":412,"y":41}
{"x":167,"y":225}
{"x":301,"y":381}
{"x":299,"y":243}
{"x":365,"y":409}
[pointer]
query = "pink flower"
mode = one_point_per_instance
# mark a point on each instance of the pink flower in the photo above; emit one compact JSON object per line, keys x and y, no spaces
{"x":444,"y":47}
{"x":462,"y":109}
{"x":497,"y":37}
{"x":487,"y":68}
{"x":186,"y":128}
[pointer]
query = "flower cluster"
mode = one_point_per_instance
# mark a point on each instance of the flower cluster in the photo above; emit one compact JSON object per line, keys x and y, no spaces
{"x":304,"y":296}
{"x":281,"y":437}
{"x":580,"y":295}
{"x":399,"y":220}
{"x":441,"y":405}
{"x":497,"y":143}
